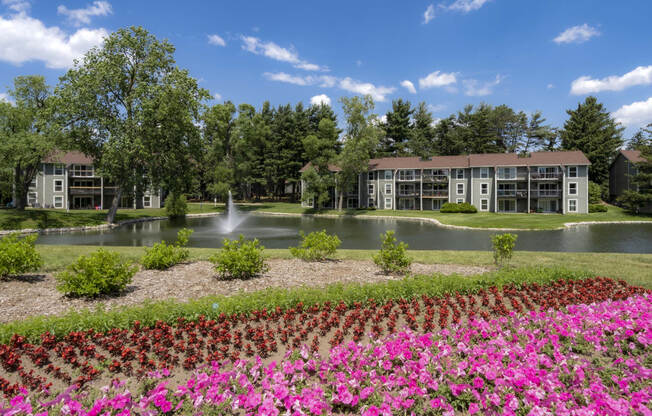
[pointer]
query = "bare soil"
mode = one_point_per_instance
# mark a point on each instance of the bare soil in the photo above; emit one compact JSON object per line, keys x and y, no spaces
{"x":37,"y":294}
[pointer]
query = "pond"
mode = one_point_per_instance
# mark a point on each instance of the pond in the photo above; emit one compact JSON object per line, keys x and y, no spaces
{"x":282,"y":232}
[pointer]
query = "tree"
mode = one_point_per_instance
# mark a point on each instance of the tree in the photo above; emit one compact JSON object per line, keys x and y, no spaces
{"x":641,"y":197}
{"x":320,"y":150}
{"x":421,"y":140}
{"x":641,"y":139}
{"x":398,"y":130}
{"x":360,"y":140}
{"x":217,"y":164}
{"x":27,"y":134}
{"x":110,"y":103}
{"x":538,"y":135}
{"x":591,"y":129}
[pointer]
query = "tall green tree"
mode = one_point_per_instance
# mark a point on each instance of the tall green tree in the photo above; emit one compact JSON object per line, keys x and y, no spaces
{"x":591,"y":129}
{"x":641,"y":197}
{"x":27,"y":134}
{"x":109,"y":102}
{"x":217,"y":161}
{"x":360,"y":141}
{"x":320,"y":150}
{"x":642,"y":139}
{"x":539,"y":135}
{"x":252,"y":134}
{"x":398,"y":130}
{"x":421,"y":141}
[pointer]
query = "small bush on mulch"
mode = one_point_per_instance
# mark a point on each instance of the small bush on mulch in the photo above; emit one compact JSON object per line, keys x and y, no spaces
{"x":316,"y":246}
{"x":162,"y":256}
{"x":100,"y":273}
{"x":18,"y":255}
{"x":503,"y":246}
{"x":240,"y":259}
{"x":393,"y":257}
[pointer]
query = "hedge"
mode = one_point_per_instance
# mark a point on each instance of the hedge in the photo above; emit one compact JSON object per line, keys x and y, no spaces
{"x":464,"y":208}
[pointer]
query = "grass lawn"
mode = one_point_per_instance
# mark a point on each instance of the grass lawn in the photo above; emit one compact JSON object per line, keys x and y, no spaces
{"x":636,"y":269}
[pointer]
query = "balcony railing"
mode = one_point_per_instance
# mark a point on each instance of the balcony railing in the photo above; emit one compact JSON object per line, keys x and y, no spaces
{"x":90,"y":190}
{"x":407,"y":178}
{"x":435,"y":193}
{"x":435,"y":178}
{"x":512,"y":193}
{"x":546,"y":193}
{"x":546,"y":175}
{"x":408,"y":193}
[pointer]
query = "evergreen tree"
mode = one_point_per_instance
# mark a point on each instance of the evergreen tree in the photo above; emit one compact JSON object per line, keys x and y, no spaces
{"x":320,"y":150}
{"x":641,"y":197}
{"x":591,"y":129}
{"x":641,"y":139}
{"x":539,"y":135}
{"x":421,"y":142}
{"x":217,"y":158}
{"x":398,"y":130}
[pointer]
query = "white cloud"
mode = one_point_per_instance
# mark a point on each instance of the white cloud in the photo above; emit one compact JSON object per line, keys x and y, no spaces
{"x":436,"y":108}
{"x":216,"y":40}
{"x":475,"y":88}
{"x":636,"y":114}
{"x":366,"y":88}
{"x":217,"y":96}
{"x":576,"y":34}
{"x":18,"y":6}
{"x":437,"y":79}
{"x":466,"y":6}
{"x":408,"y":85}
{"x":641,"y":75}
{"x":83,"y":16}
{"x":279,"y":53}
{"x":550,"y":86}
{"x":4,"y":97}
{"x":23,"y":39}
{"x":429,"y":14}
{"x":290,"y":79}
{"x":321,"y":99}
{"x":358,"y":63}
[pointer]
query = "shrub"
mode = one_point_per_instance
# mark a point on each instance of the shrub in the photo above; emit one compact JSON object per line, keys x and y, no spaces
{"x":162,"y":256}
{"x":464,"y":208}
{"x":392,"y":257}
{"x":18,"y":255}
{"x":100,"y":273}
{"x":503,"y":245}
{"x":598,"y":208}
{"x":316,"y":246}
{"x":595,"y":193}
{"x":176,"y":205}
{"x":240,"y":259}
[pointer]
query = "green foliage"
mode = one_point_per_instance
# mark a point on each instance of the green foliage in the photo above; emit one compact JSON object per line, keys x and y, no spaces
{"x":316,"y":246}
{"x":393,"y":257}
{"x":162,"y":256}
{"x":169,"y":311}
{"x":176,"y":206}
{"x":18,"y":255}
{"x":503,"y":247}
{"x":595,"y":193}
{"x":633,"y":201}
{"x":240,"y":259}
{"x":100,"y":273}
{"x":464,"y":208}
{"x":398,"y":129}
{"x":598,"y":208}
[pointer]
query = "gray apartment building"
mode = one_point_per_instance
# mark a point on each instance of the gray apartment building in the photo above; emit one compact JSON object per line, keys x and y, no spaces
{"x":621,"y":172}
{"x":67,"y":180}
{"x":546,"y":182}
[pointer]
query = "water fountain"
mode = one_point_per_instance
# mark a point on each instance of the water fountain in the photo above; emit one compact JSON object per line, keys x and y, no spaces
{"x":232,"y":219}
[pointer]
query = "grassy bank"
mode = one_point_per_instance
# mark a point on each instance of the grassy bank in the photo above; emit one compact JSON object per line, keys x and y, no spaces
{"x":636,"y":269}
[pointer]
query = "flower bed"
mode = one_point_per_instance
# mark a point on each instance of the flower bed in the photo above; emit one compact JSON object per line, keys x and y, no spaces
{"x":92,"y":356}
{"x":590,"y":360}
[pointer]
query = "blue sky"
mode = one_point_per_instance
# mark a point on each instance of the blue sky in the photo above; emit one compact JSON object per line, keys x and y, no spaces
{"x":531,"y":55}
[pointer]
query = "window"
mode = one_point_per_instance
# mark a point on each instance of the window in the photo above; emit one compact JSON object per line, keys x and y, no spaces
{"x":459,"y":173}
{"x":82,"y":170}
{"x":58,"y":201}
{"x":406,"y":189}
{"x":572,"y":205}
{"x":436,"y":204}
{"x":484,"y":189}
{"x":370,"y":176}
{"x":31,"y":199}
{"x":388,"y":189}
{"x":352,"y":203}
{"x":371,"y":203}
{"x":506,"y":173}
{"x":460,"y":189}
{"x":33,"y":183}
{"x":58,"y":185}
{"x":58,"y":169}
{"x":484,"y":173}
{"x":460,"y":200}
{"x":388,"y":203}
{"x":388,"y":175}
{"x":572,"y":188}
{"x":147,"y":201}
{"x":484,"y":205}
{"x":572,"y":171}
{"x":371,"y":188}
{"x":507,"y":205}
{"x":406,"y":175}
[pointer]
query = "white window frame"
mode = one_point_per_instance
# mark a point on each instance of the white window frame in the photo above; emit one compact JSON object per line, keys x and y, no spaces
{"x":459,"y":200}
{"x":54,"y":169}
{"x":147,"y":204}
{"x":438,"y":201}
{"x":54,"y":185}
{"x":54,"y":201}
{"x":34,"y":198}
{"x":569,"y":205}
{"x":388,"y":189}
{"x":484,"y":189}
{"x":457,"y":174}
{"x":371,"y":203}
{"x":34,"y":182}
{"x":511,"y":200}
{"x":484,"y":173}
{"x":569,"y":188}
{"x":457,"y":189}
{"x":576,"y":171}
{"x":391,"y":175}
{"x":484,"y":201}
{"x":371,"y":188}
{"x":388,"y":205}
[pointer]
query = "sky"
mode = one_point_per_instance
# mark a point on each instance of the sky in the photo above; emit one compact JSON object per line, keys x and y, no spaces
{"x":529,"y":54}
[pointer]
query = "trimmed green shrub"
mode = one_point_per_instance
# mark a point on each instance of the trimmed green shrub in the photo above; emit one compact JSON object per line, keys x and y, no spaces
{"x":393,"y":257}
{"x":18,"y":255}
{"x":464,"y":208}
{"x":176,"y":205}
{"x":503,"y":245}
{"x":598,"y":208}
{"x":316,"y":246}
{"x":240,"y":259}
{"x":595,"y":193}
{"x":100,"y":273}
{"x":162,"y":256}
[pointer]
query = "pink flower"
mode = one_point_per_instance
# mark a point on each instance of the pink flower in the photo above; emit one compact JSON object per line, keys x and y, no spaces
{"x":473,"y":408}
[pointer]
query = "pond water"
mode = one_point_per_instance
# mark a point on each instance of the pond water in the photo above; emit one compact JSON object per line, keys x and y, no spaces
{"x":282,"y":232}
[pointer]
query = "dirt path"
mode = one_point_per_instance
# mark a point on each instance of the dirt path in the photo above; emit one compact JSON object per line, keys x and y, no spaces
{"x":37,"y":294}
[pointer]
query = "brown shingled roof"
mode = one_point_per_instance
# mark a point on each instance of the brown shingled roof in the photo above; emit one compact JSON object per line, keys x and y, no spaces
{"x":572,"y":157}
{"x":633,"y":155}
{"x":419,"y":163}
{"x":69,"y":158}
{"x":495,"y":159}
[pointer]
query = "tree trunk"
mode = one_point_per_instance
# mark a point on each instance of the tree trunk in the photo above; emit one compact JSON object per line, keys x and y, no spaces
{"x":110,"y":217}
{"x":20,"y":190}
{"x":340,"y":203}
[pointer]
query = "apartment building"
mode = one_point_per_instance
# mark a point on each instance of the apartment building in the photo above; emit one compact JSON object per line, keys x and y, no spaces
{"x":546,"y":182}
{"x":67,"y":180}
{"x":622,"y":170}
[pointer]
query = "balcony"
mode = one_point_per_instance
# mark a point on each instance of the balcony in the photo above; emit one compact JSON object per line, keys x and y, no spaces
{"x":512,"y":193}
{"x":408,"y":193}
{"x":435,"y":178}
{"x":542,"y":176}
{"x":546,"y":193}
{"x":435,"y":193}
{"x":91,"y":190}
{"x":407,"y":178}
